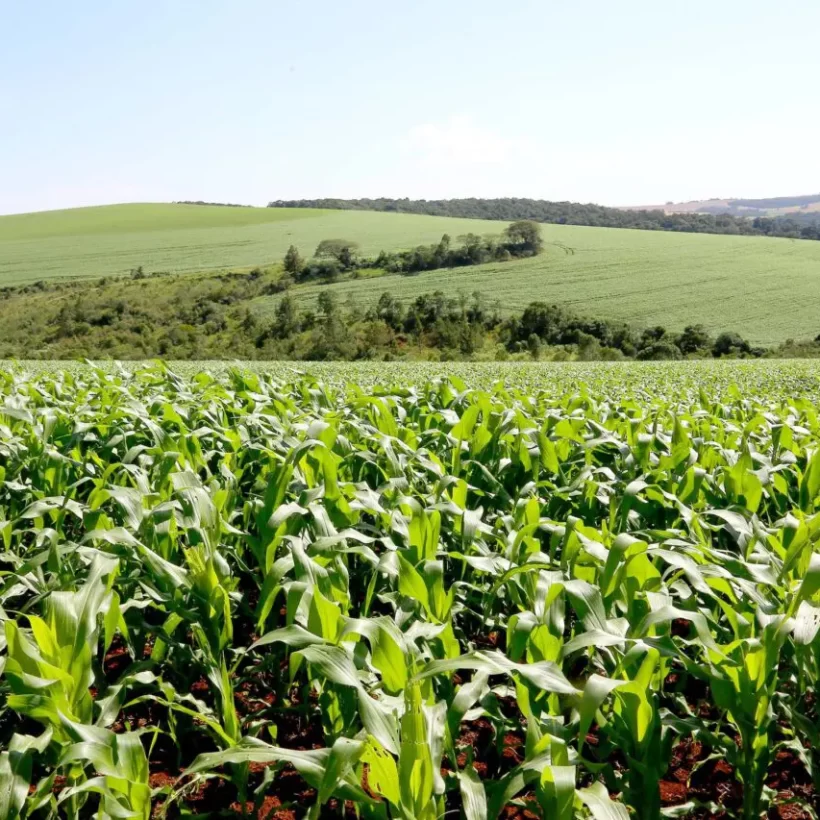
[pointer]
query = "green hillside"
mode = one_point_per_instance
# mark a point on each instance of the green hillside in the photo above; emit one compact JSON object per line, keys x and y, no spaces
{"x":766,"y":289}
{"x":110,"y":240}
{"x":137,"y":218}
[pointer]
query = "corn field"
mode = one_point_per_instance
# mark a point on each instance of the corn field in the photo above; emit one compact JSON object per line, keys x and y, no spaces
{"x":247,"y":595}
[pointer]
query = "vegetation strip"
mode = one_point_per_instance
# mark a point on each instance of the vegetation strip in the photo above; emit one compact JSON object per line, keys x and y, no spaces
{"x":217,"y":315}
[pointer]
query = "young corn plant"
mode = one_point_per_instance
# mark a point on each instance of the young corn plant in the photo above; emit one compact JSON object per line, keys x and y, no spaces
{"x":744,"y":681}
{"x":473,"y":592}
{"x":635,"y":726}
{"x":120,"y":771}
{"x":50,"y":666}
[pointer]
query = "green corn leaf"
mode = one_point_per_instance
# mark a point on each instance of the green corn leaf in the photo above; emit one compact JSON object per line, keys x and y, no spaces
{"x":412,"y":584}
{"x":415,"y":762}
{"x":473,"y":797}
{"x":810,"y":484}
{"x":596,"y":690}
{"x":600,"y":806}
{"x":344,"y":754}
{"x":16,"y":766}
{"x":558,"y":787}
{"x":383,"y":774}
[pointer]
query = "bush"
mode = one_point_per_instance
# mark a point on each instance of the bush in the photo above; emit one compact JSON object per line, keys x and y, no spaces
{"x":730,"y":344}
{"x":694,"y":339}
{"x":659,"y":351}
{"x":326,"y":269}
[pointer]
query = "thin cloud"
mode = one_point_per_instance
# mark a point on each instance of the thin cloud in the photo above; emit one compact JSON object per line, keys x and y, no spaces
{"x":460,"y":141}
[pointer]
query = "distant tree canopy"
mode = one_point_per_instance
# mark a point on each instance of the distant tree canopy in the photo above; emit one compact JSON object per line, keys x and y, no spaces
{"x":293,"y":262}
{"x":794,"y":226}
{"x":342,"y":250}
{"x":219,"y":204}
{"x":526,"y":235}
{"x":336,"y":256}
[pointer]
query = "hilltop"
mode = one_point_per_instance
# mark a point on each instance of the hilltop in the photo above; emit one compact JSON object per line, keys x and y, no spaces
{"x":783,"y":206}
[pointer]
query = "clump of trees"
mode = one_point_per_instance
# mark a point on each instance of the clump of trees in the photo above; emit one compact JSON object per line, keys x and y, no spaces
{"x":549,"y":325}
{"x":435,"y":324}
{"x":203,"y":202}
{"x":342,"y":250}
{"x":333,"y":257}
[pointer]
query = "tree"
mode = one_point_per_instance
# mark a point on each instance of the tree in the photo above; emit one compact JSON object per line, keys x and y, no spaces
{"x":660,"y":350}
{"x":326,"y":302}
{"x":526,"y":234}
{"x":730,"y":344}
{"x":285,"y":317}
{"x":545,"y":321}
{"x":353,"y":309}
{"x":293,"y":262}
{"x":473,"y":252}
{"x":338,"y":249}
{"x":652,"y":335}
{"x":694,"y":339}
{"x":346,"y":258}
{"x":390,"y":310}
{"x":327,"y":269}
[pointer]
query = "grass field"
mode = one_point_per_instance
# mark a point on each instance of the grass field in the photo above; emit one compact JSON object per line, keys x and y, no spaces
{"x":94,"y":242}
{"x":766,"y":289}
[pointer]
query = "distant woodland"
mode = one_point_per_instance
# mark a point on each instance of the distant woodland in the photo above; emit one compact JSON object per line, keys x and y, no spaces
{"x":796,"y":226}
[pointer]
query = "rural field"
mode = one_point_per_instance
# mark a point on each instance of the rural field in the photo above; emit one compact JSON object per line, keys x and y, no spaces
{"x":113,"y":239}
{"x":473,"y":590}
{"x":765,"y":289}
{"x":779,"y":380}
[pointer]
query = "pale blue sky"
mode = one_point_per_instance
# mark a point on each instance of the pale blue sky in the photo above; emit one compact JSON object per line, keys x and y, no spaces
{"x":630,"y":102}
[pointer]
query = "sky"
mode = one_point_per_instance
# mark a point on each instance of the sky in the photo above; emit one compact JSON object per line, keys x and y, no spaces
{"x":627,"y":103}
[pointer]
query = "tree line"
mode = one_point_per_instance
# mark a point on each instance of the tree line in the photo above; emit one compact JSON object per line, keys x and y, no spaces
{"x":798,"y":226}
{"x":204,"y":202}
{"x":467,"y":326}
{"x":334,"y":257}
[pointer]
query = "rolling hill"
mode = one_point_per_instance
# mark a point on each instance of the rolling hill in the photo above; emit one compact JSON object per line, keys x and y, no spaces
{"x":111,"y":240}
{"x":764,"y":288}
{"x":773,"y":206}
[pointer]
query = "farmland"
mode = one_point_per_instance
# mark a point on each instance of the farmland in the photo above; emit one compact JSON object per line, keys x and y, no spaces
{"x":472,"y":591}
{"x":762,"y":288}
{"x":111,"y":240}
{"x":766,"y":289}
